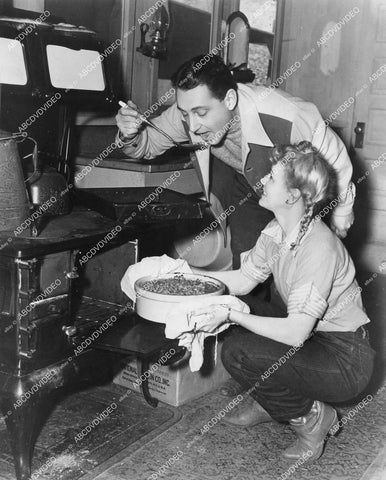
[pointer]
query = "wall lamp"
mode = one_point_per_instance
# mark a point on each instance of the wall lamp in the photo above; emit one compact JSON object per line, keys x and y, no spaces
{"x":157,"y":31}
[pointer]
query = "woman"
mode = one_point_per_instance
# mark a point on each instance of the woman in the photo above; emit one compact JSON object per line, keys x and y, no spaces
{"x":294,"y":362}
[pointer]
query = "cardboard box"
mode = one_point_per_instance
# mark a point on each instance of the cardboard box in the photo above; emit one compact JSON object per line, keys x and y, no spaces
{"x":177,"y":385}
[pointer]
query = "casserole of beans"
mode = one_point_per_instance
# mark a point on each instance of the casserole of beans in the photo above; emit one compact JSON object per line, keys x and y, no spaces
{"x":179,"y":285}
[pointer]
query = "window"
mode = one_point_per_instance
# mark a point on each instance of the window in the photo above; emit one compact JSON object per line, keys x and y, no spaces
{"x":13,"y":69}
{"x":263,"y":16}
{"x":66,"y":65}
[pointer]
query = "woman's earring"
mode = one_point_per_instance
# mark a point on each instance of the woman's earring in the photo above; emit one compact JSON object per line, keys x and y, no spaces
{"x":287,"y":201}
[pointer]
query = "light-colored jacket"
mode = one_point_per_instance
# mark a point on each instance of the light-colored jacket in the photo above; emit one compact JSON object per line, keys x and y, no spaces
{"x":268,"y":117}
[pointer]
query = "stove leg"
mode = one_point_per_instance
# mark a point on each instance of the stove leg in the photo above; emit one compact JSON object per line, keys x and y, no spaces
{"x":23,"y":424}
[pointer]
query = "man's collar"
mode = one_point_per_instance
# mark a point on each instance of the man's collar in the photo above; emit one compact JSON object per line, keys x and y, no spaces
{"x":253,"y":131}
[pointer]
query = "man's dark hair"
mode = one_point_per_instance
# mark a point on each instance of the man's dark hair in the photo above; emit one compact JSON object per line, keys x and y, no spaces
{"x":205,"y":70}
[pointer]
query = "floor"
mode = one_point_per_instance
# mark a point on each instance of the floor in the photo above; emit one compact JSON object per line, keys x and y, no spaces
{"x":197,"y":445}
{"x":186,"y":451}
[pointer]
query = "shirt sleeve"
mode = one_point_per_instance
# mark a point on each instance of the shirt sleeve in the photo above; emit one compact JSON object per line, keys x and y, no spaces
{"x":334,"y":151}
{"x":150,"y":143}
{"x":312,"y":281}
{"x":254,"y":263}
{"x":309,"y":125}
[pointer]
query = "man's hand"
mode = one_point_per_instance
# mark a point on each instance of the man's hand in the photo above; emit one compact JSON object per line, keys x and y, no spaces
{"x":129,"y":120}
{"x":341,"y":225}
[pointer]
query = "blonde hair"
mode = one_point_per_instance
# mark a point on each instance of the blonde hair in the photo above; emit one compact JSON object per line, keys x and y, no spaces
{"x":306,"y":170}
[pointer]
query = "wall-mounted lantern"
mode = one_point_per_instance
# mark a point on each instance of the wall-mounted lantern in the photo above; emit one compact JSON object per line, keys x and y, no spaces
{"x":157,"y":31}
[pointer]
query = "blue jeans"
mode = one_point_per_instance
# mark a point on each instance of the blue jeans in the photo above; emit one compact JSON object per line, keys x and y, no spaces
{"x":331,"y":367}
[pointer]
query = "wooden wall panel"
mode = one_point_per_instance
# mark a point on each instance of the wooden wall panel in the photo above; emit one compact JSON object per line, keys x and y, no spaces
{"x":304,"y":22}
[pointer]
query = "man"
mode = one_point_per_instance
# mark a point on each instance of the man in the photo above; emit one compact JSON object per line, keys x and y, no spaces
{"x":239,"y":125}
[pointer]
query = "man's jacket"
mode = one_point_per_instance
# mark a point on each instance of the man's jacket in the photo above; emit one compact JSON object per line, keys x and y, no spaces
{"x":268,"y":117}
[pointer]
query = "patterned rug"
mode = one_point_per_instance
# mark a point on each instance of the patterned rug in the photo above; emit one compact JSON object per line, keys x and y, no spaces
{"x":228,"y":453}
{"x":137,"y":442}
{"x":90,"y":431}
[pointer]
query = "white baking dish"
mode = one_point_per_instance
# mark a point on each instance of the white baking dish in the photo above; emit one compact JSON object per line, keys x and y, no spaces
{"x":157,"y":306}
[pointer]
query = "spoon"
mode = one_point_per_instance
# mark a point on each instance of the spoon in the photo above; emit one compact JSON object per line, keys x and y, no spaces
{"x":185,"y":145}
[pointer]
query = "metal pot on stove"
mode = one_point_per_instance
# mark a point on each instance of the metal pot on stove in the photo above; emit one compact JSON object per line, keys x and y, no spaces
{"x":14,"y":204}
{"x":48,"y":188}
{"x":47,"y":191}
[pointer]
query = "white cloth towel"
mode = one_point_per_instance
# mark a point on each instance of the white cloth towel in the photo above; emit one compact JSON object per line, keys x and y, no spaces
{"x":151,"y":266}
{"x":180,"y":324}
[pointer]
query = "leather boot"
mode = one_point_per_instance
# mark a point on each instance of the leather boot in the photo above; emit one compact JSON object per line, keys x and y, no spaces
{"x":312,"y":431}
{"x":231,"y":390}
{"x":247,"y":414}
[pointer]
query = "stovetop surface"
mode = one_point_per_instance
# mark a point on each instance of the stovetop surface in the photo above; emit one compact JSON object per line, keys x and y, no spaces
{"x":78,"y":229}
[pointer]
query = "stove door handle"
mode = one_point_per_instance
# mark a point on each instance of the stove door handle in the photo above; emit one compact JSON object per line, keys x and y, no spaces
{"x":70,"y":330}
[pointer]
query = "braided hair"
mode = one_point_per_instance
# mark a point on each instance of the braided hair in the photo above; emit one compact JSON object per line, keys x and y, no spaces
{"x":306,"y":170}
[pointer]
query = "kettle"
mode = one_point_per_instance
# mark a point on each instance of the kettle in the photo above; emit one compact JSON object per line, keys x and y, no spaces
{"x":48,"y":189}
